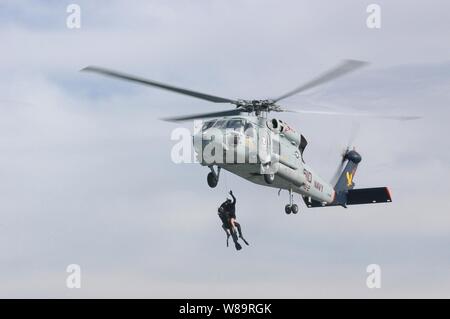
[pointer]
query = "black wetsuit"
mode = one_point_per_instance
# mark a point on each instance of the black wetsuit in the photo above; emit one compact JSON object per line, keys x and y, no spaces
{"x":227,"y":211}
{"x":224,"y":216}
{"x":229,"y":207}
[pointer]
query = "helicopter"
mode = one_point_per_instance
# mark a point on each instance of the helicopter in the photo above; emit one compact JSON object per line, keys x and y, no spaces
{"x":270,"y":150}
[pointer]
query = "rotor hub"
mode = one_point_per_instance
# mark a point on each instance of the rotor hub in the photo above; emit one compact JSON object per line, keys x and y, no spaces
{"x":258,"y":106}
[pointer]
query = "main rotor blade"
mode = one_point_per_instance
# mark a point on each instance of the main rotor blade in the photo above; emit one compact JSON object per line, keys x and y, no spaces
{"x":345,"y":67}
{"x":353,"y":133}
{"x":132,"y":78}
{"x":202,"y":115}
{"x":374,"y":115}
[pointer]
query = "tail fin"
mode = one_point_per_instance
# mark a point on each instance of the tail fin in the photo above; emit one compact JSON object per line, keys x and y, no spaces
{"x":345,"y":181}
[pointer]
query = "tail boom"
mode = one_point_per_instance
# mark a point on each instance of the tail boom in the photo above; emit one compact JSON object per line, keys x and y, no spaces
{"x":345,"y":194}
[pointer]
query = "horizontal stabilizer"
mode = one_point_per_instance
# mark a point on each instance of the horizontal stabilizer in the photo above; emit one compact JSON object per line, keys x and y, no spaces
{"x":368,"y":196}
{"x":355,"y":197}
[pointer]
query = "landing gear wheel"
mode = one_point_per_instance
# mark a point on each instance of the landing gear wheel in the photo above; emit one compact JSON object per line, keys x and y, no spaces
{"x":294,"y":209}
{"x":269,"y":178}
{"x":288,"y":209}
{"x":212,"y":180}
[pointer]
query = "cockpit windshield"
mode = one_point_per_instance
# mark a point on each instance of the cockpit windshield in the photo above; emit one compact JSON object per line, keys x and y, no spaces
{"x":207,"y":125}
{"x":220,"y":124}
{"x":235,"y":124}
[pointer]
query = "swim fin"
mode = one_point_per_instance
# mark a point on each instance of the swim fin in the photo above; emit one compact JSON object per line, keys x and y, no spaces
{"x":244,"y":240}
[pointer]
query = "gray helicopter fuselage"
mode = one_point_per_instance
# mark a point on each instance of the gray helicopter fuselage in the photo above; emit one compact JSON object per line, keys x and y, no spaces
{"x":253,"y":147}
{"x":268,"y":152}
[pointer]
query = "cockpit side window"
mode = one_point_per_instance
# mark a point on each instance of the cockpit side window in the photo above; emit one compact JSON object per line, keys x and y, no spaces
{"x":249,"y":130}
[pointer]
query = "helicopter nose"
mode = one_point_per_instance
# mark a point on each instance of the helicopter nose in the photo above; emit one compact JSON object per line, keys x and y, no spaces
{"x":210,"y":135}
{"x":197,"y":140}
{"x":198,"y":136}
{"x":201,"y":139}
{"x":202,"y":136}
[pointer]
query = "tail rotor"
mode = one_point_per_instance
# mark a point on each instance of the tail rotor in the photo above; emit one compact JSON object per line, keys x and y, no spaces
{"x":352,"y":136}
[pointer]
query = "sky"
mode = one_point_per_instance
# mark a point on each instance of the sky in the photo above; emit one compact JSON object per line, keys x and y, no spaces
{"x":86,"y":175}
